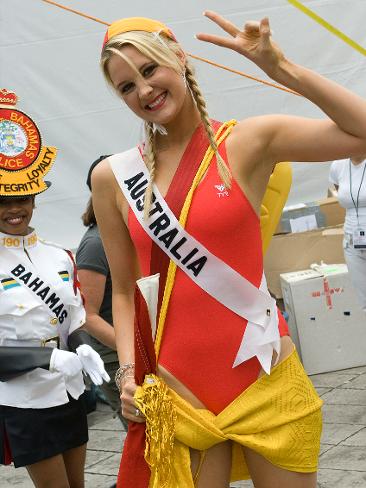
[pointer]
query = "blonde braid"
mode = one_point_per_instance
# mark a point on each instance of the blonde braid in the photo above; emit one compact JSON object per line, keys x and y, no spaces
{"x":222,"y":167}
{"x":149,"y":153}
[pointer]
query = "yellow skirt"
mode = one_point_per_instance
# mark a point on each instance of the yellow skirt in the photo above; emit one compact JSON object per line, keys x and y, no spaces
{"x":278,"y":416}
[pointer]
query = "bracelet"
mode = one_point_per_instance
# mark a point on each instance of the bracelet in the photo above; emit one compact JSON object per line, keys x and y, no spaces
{"x":124,"y":371}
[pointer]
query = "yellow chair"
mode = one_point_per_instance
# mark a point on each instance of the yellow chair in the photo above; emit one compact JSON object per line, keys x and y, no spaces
{"x":274,"y":200}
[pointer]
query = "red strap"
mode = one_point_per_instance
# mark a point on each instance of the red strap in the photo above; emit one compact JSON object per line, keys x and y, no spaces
{"x":176,"y":195}
{"x":76,"y":282}
{"x":134,"y":470}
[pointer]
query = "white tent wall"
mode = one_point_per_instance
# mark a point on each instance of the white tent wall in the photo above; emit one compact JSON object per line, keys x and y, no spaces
{"x":50,"y":57}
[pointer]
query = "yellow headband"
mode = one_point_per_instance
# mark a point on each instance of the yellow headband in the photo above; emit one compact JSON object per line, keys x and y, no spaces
{"x":136,"y":24}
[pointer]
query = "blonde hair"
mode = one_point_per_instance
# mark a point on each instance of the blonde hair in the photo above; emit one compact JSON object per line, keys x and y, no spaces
{"x":165,"y":52}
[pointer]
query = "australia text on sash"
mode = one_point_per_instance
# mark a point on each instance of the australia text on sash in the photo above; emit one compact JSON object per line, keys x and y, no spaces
{"x":161,"y":226}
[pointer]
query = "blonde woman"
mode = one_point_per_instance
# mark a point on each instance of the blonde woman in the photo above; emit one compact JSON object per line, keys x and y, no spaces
{"x":238,"y":402}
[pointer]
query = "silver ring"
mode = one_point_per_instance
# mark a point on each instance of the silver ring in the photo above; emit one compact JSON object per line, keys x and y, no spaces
{"x":137,"y":412}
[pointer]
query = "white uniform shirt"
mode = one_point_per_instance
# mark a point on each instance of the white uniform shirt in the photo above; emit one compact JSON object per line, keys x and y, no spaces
{"x":27,"y":315}
{"x":339,"y":175}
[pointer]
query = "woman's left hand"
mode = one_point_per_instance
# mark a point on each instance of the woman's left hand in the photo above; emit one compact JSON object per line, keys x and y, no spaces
{"x":129,"y":408}
{"x":253,"y":41}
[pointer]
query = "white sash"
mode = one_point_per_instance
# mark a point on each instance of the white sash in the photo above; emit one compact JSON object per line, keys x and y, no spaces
{"x":10,"y":260}
{"x":222,"y":282}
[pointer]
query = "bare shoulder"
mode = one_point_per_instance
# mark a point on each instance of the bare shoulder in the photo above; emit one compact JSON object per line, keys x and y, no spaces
{"x":107,"y":195}
{"x":249,"y":155}
{"x":102,"y":175}
{"x":248,"y":142}
{"x":105,"y":186}
{"x":253,"y":138}
{"x":261,"y":125}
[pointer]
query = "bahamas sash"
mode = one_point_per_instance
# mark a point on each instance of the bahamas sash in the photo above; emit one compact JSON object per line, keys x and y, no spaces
{"x":222,"y":282}
{"x":55,"y":300}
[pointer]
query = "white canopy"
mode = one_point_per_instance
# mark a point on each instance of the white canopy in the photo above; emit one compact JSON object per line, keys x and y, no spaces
{"x":50,"y":57}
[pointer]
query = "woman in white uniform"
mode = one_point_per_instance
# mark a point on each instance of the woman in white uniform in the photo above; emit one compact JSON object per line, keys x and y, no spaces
{"x":43,"y":422}
{"x":349,"y":178}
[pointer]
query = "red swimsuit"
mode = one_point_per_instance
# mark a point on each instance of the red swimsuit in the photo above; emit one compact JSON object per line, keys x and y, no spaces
{"x":202,"y":337}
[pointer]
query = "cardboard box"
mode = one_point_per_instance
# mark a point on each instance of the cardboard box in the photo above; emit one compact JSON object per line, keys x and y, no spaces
{"x":332,"y":212}
{"x":300,"y":218}
{"x":303,"y":217}
{"x":326,"y":321}
{"x":294,"y":252}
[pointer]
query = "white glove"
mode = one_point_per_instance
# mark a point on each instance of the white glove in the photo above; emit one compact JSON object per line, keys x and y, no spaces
{"x":67,"y":363}
{"x":92,"y":364}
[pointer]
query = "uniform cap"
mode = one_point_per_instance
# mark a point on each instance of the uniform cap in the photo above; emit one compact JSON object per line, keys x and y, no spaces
{"x":24,"y":161}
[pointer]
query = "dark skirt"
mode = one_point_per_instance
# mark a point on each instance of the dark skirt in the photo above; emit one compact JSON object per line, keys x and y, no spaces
{"x":30,"y":435}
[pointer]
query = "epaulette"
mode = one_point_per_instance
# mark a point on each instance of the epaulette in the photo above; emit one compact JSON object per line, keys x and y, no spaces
{"x":50,"y":243}
{"x":76,"y":284}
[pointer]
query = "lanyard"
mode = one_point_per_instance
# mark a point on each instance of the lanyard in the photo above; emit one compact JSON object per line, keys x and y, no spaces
{"x":359,"y":188}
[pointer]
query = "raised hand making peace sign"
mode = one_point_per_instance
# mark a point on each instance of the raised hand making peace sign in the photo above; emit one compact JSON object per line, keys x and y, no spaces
{"x":253,"y":41}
